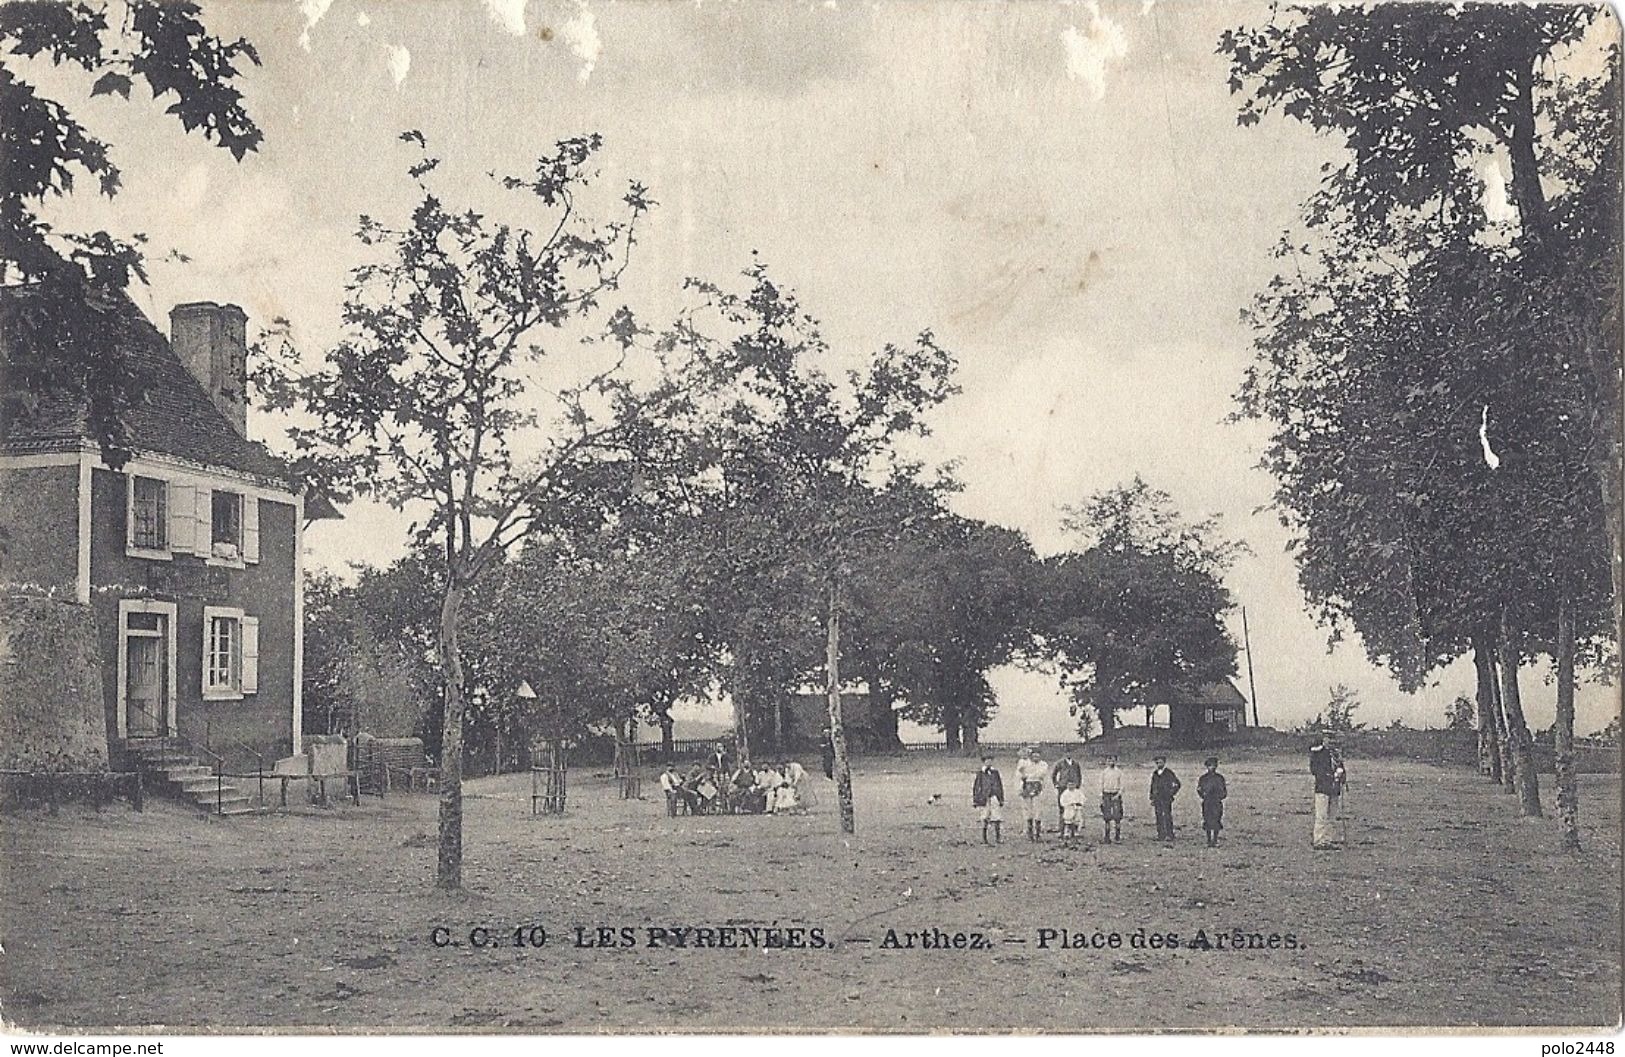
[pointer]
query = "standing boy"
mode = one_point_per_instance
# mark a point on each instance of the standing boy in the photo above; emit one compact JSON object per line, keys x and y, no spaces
{"x":669,"y":783}
{"x":1072,"y":801}
{"x":1066,"y":773}
{"x":1111,"y":799}
{"x":1031,"y":773}
{"x":1210,"y":789}
{"x":1164,"y":787}
{"x":987,"y":796}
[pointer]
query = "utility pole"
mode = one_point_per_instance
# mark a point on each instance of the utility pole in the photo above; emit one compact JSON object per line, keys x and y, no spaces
{"x":1247,"y":644}
{"x":837,"y":732}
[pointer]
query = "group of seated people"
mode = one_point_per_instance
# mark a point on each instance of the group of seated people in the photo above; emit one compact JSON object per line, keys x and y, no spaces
{"x":718,"y":786}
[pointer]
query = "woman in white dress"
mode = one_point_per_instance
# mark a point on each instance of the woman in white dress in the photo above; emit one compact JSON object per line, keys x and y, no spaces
{"x":798,"y":787}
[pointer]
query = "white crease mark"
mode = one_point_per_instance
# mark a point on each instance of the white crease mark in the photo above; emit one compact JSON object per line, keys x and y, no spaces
{"x":1493,"y":460}
{"x":400,"y":61}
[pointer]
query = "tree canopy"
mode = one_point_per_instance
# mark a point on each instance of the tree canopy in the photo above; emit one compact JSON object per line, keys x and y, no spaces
{"x":63,"y":342}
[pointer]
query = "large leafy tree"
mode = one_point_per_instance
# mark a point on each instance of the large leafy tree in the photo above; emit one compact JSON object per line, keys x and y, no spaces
{"x":793,"y":459}
{"x":607,"y":629}
{"x":368,"y":649}
{"x":932,"y":613}
{"x":63,"y":342}
{"x":449,"y":398}
{"x":1141,"y":607}
{"x":1444,"y":384}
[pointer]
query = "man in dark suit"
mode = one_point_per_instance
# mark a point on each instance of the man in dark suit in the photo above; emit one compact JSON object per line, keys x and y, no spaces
{"x":1066,"y":773}
{"x":1164,"y":787}
{"x":987,"y":797}
{"x":1327,"y":767}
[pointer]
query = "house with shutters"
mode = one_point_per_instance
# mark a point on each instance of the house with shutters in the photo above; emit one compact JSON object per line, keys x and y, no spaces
{"x":188,"y":554}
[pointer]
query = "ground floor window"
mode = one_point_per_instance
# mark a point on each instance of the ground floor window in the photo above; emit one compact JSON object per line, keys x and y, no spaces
{"x":230,"y":653}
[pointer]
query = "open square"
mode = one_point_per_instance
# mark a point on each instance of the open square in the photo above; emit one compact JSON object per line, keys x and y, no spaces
{"x":1445,"y":908}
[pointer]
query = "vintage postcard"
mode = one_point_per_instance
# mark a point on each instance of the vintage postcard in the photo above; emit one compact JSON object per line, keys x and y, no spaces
{"x":746,"y":516}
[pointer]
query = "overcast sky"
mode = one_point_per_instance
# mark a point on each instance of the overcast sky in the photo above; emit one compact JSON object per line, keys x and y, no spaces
{"x":1060,"y":191}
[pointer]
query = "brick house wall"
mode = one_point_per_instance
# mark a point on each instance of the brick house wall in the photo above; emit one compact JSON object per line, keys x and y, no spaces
{"x":261,"y":722}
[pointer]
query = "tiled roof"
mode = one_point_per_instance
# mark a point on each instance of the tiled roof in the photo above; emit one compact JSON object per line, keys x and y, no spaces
{"x":176,"y":418}
{"x":1221,"y":694}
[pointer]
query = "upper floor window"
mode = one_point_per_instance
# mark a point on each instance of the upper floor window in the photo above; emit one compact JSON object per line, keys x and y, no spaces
{"x":226,"y":524}
{"x":149,"y":514}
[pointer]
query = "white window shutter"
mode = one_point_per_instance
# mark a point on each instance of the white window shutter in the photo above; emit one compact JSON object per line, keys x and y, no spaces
{"x":205,"y":522}
{"x":129,"y":512}
{"x":251,"y":528}
{"x":208,"y":649}
{"x":251,"y":655}
{"x":182,"y":518}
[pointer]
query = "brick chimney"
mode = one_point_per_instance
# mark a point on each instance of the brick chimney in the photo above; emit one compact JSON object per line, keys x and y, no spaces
{"x":212,"y":341}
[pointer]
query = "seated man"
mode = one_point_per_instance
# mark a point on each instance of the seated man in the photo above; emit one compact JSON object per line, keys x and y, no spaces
{"x":745,"y":796}
{"x":704,"y":788}
{"x":769,"y":782}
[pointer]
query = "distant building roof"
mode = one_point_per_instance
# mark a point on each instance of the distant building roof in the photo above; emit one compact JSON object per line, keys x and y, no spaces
{"x":1219,"y":694}
{"x":175,"y":418}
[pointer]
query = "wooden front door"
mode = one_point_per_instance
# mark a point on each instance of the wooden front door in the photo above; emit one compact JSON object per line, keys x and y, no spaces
{"x":145,"y":712}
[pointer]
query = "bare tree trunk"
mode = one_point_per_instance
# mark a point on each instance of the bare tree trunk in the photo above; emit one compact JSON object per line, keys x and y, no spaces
{"x":1108,"y":720}
{"x":1503,"y":739}
{"x":970,"y":731}
{"x":837,"y":730}
{"x":666,"y":724}
{"x":883,"y":718}
{"x":741,"y":700}
{"x":1489,"y":748}
{"x":1568,"y":788}
{"x":449,"y":867}
{"x":950,"y":726}
{"x":1523,"y":748}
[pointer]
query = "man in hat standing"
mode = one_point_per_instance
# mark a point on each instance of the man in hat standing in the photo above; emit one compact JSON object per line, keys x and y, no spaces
{"x":1210,"y":789}
{"x":1164,"y":787}
{"x":1327,"y":768}
{"x":1031,"y":773}
{"x":987,"y":797}
{"x":1066,"y":774}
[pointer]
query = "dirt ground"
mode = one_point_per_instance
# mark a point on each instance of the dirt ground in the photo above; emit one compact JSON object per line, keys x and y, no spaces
{"x":1445,"y":909}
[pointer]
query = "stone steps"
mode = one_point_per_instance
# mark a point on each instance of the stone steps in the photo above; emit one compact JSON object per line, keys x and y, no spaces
{"x":190,"y":779}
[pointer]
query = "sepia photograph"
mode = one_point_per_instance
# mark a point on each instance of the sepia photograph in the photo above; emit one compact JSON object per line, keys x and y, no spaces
{"x":807,"y":517}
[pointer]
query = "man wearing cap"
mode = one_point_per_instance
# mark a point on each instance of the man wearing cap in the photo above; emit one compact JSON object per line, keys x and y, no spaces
{"x":1111,"y":799}
{"x":1066,"y":774}
{"x":987,"y":796}
{"x":1327,"y":768}
{"x":1031,"y":773}
{"x":1164,"y":787}
{"x":1210,"y":789}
